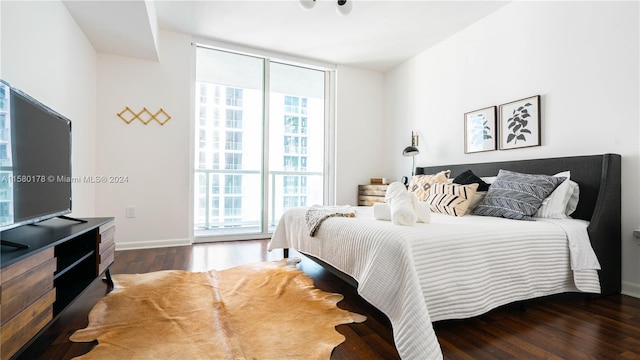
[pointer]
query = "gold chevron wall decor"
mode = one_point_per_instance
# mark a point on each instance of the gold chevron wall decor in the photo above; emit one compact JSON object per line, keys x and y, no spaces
{"x":145,"y":116}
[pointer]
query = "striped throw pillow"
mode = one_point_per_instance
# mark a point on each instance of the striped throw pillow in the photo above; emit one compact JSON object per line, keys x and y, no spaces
{"x":517,"y":196}
{"x":420,"y":184}
{"x":450,"y":199}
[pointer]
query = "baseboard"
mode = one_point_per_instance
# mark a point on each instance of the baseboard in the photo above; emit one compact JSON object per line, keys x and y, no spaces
{"x":135,"y":245}
{"x":631,"y":289}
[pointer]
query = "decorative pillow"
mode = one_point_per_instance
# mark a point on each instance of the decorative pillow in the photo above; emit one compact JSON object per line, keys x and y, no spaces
{"x":516,"y":196}
{"x":450,"y":199}
{"x":477,"y":198}
{"x":420,"y":184}
{"x":468,"y":177}
{"x":555,"y":205}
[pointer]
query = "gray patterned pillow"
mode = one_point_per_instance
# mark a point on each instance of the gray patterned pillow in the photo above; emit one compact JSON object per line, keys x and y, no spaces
{"x":516,"y":196}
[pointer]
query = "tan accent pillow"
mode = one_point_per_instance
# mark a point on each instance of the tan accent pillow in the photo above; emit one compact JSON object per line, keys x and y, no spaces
{"x":420,"y":184}
{"x":475,"y":200}
{"x":451,"y":199}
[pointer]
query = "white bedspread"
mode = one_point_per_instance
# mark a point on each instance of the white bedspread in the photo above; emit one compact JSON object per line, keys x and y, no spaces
{"x":454,"y":267}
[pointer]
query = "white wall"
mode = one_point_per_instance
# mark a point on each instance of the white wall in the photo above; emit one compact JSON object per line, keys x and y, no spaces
{"x":154,"y":158}
{"x":45,"y":54}
{"x":360,"y":137}
{"x":582,"y":57}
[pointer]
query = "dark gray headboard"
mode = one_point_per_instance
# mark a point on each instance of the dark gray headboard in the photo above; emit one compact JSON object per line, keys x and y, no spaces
{"x":600,"y":196}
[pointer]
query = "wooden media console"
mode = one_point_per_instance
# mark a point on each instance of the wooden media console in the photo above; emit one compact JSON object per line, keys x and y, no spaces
{"x":63,"y":257}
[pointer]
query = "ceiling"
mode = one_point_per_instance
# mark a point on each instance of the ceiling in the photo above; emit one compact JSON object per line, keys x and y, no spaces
{"x":376,"y":35}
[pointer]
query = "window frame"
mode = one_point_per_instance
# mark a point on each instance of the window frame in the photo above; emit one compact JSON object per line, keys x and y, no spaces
{"x":329,"y":71}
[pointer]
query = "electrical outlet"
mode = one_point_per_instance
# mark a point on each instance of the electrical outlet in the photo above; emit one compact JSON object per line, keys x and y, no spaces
{"x":130,"y":211}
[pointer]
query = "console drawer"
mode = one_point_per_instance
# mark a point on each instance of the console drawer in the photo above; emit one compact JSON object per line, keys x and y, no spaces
{"x":21,"y":328}
{"x":21,"y":291}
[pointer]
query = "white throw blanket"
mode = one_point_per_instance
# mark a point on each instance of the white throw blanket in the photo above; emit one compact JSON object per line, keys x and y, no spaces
{"x":404,"y":207}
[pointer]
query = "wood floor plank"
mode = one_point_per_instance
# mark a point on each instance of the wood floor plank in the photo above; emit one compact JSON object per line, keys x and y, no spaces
{"x":556,"y":327}
{"x":584,"y":331}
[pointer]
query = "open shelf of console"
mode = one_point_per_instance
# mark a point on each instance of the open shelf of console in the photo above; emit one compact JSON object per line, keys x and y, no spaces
{"x":39,"y":282}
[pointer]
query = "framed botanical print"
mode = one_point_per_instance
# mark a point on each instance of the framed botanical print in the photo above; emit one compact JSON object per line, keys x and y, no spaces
{"x":520,"y":123}
{"x":480,"y":130}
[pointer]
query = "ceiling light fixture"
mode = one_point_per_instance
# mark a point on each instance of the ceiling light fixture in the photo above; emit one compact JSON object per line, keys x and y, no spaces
{"x":307,"y":4}
{"x":343,"y":7}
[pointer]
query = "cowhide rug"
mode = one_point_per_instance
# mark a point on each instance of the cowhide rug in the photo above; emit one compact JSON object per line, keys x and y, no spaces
{"x":268,"y":310}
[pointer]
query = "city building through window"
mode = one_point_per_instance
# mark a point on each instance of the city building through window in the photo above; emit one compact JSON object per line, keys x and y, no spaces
{"x":243,"y":153}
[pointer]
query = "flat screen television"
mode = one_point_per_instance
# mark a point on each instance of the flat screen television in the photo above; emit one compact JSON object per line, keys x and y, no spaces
{"x":35,"y":160}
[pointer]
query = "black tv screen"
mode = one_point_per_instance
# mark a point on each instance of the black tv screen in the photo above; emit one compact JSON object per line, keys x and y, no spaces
{"x":35,"y":160}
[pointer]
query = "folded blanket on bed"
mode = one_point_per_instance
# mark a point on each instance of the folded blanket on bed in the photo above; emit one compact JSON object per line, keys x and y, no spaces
{"x":315,"y":215}
{"x":382,"y":211}
{"x":402,"y":204}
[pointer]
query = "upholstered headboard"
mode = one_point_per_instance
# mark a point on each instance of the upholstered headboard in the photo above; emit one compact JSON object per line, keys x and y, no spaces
{"x":600,"y":196}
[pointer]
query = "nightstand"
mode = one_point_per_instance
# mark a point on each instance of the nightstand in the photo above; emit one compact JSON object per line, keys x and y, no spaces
{"x":370,"y":194}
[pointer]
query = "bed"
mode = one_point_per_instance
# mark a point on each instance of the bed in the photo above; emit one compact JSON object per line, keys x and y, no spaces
{"x":417,"y":280}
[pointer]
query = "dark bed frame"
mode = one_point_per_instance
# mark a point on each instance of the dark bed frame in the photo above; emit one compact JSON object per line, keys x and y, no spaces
{"x":600,"y":196}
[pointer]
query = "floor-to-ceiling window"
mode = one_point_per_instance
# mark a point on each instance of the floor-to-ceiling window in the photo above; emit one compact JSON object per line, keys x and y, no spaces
{"x":296,"y":141}
{"x":260,"y":142}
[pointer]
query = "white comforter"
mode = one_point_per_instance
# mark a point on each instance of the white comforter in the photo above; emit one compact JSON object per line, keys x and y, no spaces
{"x":451,"y":268}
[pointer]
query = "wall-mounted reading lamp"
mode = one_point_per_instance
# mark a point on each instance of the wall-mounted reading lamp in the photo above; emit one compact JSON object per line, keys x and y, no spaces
{"x":412,"y":151}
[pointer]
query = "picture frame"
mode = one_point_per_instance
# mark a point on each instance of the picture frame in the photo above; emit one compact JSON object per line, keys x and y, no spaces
{"x":480,"y":130}
{"x":520,"y":123}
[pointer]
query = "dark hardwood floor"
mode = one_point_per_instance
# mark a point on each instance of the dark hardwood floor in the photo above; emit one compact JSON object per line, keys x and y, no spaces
{"x":558,"y":327}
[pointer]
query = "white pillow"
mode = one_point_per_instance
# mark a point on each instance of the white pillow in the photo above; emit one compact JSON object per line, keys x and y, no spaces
{"x":555,"y":205}
{"x":573,"y":199}
{"x":489,"y":179}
